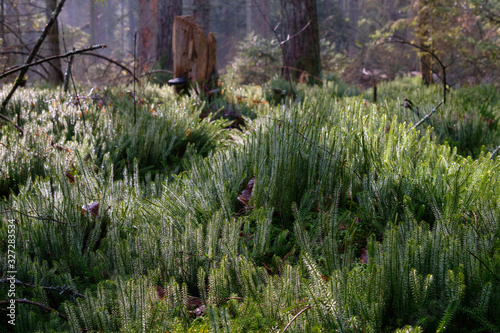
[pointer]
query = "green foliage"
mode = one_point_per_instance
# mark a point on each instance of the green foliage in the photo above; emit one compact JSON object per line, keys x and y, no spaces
{"x":356,"y":220}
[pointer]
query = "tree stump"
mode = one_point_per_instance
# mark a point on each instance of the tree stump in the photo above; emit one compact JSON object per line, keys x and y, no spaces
{"x":194,"y":55}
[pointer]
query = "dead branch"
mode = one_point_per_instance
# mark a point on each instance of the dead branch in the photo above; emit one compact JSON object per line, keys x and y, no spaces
{"x":428,"y":115}
{"x":289,"y":79}
{"x":156,"y":71}
{"x":68,"y":54}
{"x":423,"y":49}
{"x":115,"y":63}
{"x":40,"y":305}
{"x":20,"y":79}
{"x":60,"y":290}
{"x":295,"y":317}
{"x":495,"y":152}
{"x":296,"y":34}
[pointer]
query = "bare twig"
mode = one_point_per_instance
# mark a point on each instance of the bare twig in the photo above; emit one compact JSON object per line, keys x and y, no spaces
{"x":156,"y":71}
{"x":427,"y":116}
{"x":296,"y":34}
{"x":423,"y":49}
{"x":495,"y":152}
{"x":289,"y":79}
{"x":41,"y":218}
{"x":60,"y":290}
{"x":20,"y":79}
{"x":295,"y":317}
{"x":489,"y":269}
{"x":40,"y":305}
{"x":60,"y":56}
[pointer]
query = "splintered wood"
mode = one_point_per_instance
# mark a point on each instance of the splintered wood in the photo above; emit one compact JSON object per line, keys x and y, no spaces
{"x":194,"y":55}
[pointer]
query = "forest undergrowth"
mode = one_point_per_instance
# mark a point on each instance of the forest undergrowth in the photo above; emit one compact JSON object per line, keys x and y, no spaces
{"x":251,"y":212}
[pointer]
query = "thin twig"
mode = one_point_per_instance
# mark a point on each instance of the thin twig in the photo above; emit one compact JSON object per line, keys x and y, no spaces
{"x":60,"y":56}
{"x":289,"y":78}
{"x":427,"y":116}
{"x":37,"y":217}
{"x":20,"y":79}
{"x":114,"y":62}
{"x":296,"y":34}
{"x":40,"y":305}
{"x":60,"y":290}
{"x":295,"y":317}
{"x":489,"y":269}
{"x":135,"y":55}
{"x":495,"y":152}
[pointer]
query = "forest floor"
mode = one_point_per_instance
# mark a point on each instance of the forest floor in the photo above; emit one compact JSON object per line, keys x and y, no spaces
{"x":250,"y":212}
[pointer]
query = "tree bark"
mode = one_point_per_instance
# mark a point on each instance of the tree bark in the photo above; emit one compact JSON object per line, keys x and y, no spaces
{"x":147,"y":48}
{"x":195,"y":56}
{"x":353,"y":20}
{"x":422,"y":11}
{"x":300,"y":35}
{"x":261,"y":20}
{"x":55,"y":74}
{"x":132,"y":23}
{"x":201,"y":14}
{"x":167,"y":11}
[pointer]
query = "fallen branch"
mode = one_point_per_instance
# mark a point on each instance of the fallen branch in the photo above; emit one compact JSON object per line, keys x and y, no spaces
{"x":40,"y":305}
{"x":68,"y":54}
{"x":295,"y":317}
{"x":41,"y":218}
{"x":61,"y":290}
{"x":495,"y":152}
{"x":427,"y":116}
{"x":13,"y":123}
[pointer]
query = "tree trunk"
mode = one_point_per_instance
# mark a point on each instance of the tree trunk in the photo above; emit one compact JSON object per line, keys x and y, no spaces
{"x":167,"y":11}
{"x":132,"y":23}
{"x":55,"y":74}
{"x":195,"y":56}
{"x":423,"y":35}
{"x":201,"y":14}
{"x":261,"y":18}
{"x":353,"y":20}
{"x":301,"y":54}
{"x":147,"y":33}
{"x":248,"y":12}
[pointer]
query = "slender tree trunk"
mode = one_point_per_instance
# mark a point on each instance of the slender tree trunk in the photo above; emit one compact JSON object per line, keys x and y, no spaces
{"x":261,"y":22}
{"x":353,"y":20}
{"x":132,"y":24}
{"x":301,"y":58}
{"x":55,"y":74}
{"x":423,"y":13}
{"x":201,"y":14}
{"x":147,"y":48}
{"x":248,"y":12}
{"x":167,"y":11}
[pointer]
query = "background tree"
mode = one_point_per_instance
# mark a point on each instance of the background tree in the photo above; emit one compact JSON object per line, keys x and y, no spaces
{"x":201,"y":13}
{"x":167,"y":11}
{"x":55,"y":74}
{"x":147,"y":46}
{"x":300,"y":35}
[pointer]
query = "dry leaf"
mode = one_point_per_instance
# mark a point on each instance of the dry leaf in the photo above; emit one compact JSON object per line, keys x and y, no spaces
{"x":246,"y":194}
{"x":364,"y":256}
{"x":160,"y":292}
{"x":92,"y":208}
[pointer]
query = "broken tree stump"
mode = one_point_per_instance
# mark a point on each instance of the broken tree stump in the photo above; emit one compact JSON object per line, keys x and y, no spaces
{"x":195,"y":57}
